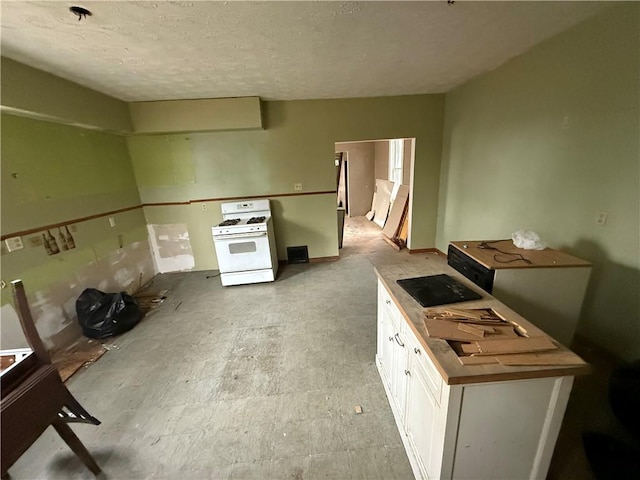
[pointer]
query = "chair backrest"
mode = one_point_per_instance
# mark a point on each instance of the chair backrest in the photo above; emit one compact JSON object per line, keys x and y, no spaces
{"x":27,"y":323}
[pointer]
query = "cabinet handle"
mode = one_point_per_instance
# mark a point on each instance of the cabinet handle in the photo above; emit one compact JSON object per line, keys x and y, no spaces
{"x":417,"y":350}
{"x":397,"y":337}
{"x":407,"y":372}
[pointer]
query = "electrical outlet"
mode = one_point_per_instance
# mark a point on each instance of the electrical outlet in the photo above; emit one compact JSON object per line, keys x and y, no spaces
{"x":297,"y":186}
{"x":204,"y":207}
{"x":112,"y":221}
{"x":36,"y":241}
{"x":601,"y":218}
{"x":13,"y":244}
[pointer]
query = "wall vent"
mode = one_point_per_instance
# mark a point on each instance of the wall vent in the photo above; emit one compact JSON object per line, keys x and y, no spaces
{"x":298,"y":254}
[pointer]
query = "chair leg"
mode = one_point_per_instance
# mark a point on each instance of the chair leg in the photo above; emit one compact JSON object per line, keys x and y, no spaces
{"x":76,"y":445}
{"x":83,"y":416}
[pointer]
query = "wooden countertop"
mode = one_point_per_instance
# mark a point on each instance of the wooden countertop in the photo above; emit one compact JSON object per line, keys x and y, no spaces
{"x":443,"y":356}
{"x":535,"y":258}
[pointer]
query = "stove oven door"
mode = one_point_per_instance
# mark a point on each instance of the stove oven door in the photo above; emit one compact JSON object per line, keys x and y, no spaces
{"x":241,"y":252}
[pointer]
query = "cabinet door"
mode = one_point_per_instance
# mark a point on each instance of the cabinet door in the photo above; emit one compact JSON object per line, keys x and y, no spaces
{"x":422,"y":422}
{"x":399,"y":374}
{"x":385,"y":347}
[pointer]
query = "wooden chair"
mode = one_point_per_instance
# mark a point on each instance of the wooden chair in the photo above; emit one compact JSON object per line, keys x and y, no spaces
{"x":34,"y":397}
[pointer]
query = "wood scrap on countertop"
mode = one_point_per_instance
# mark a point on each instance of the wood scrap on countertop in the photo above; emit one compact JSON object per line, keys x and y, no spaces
{"x":449,"y":331}
{"x":462,"y":324}
{"x":483,"y":337}
{"x":481,"y":316}
{"x":548,"y":358}
{"x":510,"y":345}
{"x":542,"y":358}
{"x":473,"y":330}
{"x":442,"y":352}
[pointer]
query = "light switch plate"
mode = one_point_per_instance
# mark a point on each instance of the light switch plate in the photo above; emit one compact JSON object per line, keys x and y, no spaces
{"x":13,"y":244}
{"x":601,"y":218}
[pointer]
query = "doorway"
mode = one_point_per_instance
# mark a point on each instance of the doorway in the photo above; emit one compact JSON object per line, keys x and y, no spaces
{"x":342,"y":183}
{"x":369,"y":177}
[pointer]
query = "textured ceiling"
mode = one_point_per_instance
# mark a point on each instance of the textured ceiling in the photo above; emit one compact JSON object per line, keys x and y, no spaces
{"x":157,"y":50}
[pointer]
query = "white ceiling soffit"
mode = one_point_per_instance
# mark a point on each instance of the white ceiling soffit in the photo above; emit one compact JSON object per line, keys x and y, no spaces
{"x":158,"y":50}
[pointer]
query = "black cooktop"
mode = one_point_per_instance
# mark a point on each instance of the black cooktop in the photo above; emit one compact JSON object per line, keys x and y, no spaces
{"x":228,"y":223}
{"x":437,"y":290}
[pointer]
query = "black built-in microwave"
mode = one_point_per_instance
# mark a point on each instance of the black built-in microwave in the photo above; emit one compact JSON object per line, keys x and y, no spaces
{"x":474,"y":271}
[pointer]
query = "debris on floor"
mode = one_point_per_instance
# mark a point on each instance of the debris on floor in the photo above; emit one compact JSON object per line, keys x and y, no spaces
{"x":102,"y":315}
{"x":358,"y":409}
{"x":150,"y":300}
{"x":81,"y":354}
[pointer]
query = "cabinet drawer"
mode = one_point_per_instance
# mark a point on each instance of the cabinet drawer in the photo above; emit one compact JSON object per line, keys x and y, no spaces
{"x":420,"y":359}
{"x":389,"y":308}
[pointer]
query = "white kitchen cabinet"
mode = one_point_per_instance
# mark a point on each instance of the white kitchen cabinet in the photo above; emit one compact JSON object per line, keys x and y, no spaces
{"x":392,"y":356}
{"x":426,"y":412}
{"x":423,"y":416}
{"x":399,"y":375}
{"x":477,"y":430}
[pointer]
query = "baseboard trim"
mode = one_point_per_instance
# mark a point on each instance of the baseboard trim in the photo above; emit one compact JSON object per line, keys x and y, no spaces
{"x":324,"y":259}
{"x":312,"y":260}
{"x":426,"y":250}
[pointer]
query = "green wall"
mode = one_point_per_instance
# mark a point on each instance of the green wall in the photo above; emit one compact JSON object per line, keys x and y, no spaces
{"x":297,"y":146}
{"x":544,"y":143}
{"x":53,"y":173}
{"x":32,"y":91}
{"x":203,"y":115}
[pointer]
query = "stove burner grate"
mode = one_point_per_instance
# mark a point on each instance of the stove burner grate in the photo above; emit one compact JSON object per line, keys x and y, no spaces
{"x":228,"y":223}
{"x":256,"y":220}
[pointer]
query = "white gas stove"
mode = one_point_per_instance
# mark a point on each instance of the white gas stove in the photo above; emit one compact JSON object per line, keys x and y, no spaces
{"x":245,"y":243}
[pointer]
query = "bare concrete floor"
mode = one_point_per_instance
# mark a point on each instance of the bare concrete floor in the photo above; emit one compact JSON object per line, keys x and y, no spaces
{"x":257,"y":381}
{"x":260,"y":381}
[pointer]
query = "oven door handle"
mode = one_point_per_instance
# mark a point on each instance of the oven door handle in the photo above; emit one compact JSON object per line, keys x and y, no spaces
{"x":231,"y":236}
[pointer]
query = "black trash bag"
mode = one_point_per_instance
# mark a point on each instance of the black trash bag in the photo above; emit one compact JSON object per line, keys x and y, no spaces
{"x":103,"y":315}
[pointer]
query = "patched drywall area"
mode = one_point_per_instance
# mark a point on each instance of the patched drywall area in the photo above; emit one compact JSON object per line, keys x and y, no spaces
{"x":171,"y":247}
{"x":53,"y":305}
{"x":70,"y":198}
{"x":209,"y":167}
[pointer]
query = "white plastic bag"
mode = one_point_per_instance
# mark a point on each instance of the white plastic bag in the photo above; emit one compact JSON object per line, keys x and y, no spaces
{"x":528,"y":240}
